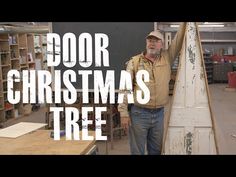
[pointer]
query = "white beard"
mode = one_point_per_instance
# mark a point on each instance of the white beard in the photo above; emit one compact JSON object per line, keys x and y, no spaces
{"x":153,"y":52}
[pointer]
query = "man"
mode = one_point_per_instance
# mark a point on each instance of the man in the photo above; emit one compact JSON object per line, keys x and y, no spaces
{"x":146,"y":122}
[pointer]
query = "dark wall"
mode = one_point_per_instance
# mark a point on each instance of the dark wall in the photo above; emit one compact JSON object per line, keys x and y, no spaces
{"x":126,"y":39}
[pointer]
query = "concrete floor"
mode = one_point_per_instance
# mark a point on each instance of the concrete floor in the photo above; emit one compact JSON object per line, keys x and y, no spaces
{"x":224,"y":111}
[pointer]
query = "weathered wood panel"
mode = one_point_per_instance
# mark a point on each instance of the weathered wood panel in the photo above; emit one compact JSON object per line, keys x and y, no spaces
{"x":190,"y":127}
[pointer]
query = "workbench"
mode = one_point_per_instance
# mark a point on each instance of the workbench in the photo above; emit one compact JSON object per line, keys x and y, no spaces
{"x":39,"y":142}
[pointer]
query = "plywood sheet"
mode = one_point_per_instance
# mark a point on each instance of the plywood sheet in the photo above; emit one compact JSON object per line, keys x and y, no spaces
{"x":39,"y":142}
{"x":20,"y":129}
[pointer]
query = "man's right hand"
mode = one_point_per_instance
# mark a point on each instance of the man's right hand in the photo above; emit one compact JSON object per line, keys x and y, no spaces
{"x":125,"y":122}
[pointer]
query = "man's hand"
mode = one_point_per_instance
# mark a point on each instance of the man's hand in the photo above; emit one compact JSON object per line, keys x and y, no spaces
{"x":125,"y":122}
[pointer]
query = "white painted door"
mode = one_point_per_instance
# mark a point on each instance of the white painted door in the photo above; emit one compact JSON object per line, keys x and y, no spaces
{"x":191,"y":126}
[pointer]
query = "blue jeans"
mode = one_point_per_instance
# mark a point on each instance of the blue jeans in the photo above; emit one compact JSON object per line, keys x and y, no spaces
{"x":146,"y":129}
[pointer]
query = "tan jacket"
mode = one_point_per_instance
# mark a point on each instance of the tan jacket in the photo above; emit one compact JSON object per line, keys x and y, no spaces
{"x":159,"y":74}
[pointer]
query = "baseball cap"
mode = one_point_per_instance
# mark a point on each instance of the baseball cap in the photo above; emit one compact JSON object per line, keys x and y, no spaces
{"x":156,"y":34}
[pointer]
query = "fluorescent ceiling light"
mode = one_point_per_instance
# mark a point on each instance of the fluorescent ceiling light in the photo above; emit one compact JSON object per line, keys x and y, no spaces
{"x":212,"y":25}
{"x":174,"y":26}
{"x":205,"y":24}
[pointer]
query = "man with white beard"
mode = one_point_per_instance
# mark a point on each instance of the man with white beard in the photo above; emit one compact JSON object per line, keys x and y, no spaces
{"x":145,"y":122}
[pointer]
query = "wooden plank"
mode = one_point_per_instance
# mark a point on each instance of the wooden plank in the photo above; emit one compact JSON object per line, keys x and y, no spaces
{"x":39,"y":142}
{"x":190,"y":126}
{"x":20,"y":129}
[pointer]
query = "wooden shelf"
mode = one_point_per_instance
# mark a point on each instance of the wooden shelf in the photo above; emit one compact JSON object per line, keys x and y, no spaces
{"x":13,"y":59}
{"x":5,"y":65}
{"x":23,"y":66}
{"x":18,"y":51}
{"x":4,"y":53}
{"x":4,"y":40}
